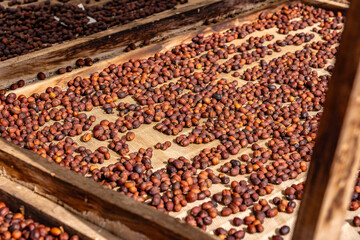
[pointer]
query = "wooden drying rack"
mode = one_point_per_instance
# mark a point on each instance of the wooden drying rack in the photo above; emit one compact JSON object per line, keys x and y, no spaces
{"x":330,"y":178}
{"x":112,"y":42}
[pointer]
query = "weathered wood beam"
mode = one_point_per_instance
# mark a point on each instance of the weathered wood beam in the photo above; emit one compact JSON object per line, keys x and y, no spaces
{"x":336,"y":156}
{"x":90,"y":198}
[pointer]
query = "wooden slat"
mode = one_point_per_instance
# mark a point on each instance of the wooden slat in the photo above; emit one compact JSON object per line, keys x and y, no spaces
{"x":148,"y":51}
{"x":329,"y":4}
{"x":44,"y":211}
{"x":111,"y":42}
{"x":336,"y":156}
{"x":86,"y":196}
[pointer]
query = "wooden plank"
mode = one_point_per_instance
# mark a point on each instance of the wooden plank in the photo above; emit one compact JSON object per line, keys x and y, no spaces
{"x":148,"y":51}
{"x":336,"y":156}
{"x":329,"y":4}
{"x":42,"y":210}
{"x":111,"y":42}
{"x":86,"y":196}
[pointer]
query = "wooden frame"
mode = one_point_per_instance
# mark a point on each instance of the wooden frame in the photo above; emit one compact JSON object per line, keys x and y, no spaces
{"x":73,"y":190}
{"x":164,"y":45}
{"x":332,"y":4}
{"x":127,"y":215}
{"x":336,"y":156}
{"x":20,"y":198}
{"x":111,"y":42}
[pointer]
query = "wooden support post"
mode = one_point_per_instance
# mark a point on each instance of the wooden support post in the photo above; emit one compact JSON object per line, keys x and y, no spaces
{"x":336,"y":156}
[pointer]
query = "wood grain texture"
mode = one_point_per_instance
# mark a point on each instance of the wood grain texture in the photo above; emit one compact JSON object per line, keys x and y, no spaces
{"x":336,"y":156}
{"x":85,"y":195}
{"x":329,"y":4}
{"x":19,"y":198}
{"x":111,"y":42}
{"x":149,"y":51}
